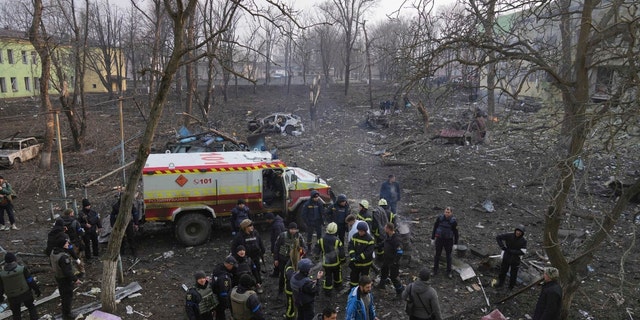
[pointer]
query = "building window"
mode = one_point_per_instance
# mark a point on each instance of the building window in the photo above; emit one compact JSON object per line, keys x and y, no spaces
{"x":14,"y":84}
{"x":94,"y":85}
{"x":36,"y":83}
{"x":27,"y":83}
{"x":1,"y":59}
{"x":34,"y":57}
{"x":10,"y":56}
{"x":3,"y":84}
{"x":25,"y":59}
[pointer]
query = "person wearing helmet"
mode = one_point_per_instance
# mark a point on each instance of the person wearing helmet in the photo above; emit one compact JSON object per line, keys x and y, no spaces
{"x":364,"y":214}
{"x":361,"y":249}
{"x":513,"y":246}
{"x":312,"y":212}
{"x":337,"y":213}
{"x":444,"y":236}
{"x":390,"y":191}
{"x":330,"y":247}
{"x":391,"y":216}
{"x":305,"y":289}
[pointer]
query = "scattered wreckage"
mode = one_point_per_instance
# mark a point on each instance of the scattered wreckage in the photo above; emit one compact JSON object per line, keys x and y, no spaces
{"x":471,"y":130}
{"x":283,"y":123}
{"x":210,"y":140}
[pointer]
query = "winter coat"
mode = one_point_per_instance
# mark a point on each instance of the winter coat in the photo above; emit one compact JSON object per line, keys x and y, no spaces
{"x":277,"y":228}
{"x":549,"y":303}
{"x":390,"y":191}
{"x":312,"y":212}
{"x":425,"y":300}
{"x":445,"y":228}
{"x":356,"y":308}
{"x":512,"y":245}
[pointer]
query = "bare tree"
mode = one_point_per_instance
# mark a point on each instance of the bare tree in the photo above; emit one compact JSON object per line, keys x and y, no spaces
{"x":348,"y":14}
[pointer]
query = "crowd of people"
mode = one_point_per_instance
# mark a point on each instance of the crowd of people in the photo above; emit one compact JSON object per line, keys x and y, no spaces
{"x":362,"y":240}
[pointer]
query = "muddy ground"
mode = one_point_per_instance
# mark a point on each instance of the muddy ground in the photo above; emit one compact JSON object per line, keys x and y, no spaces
{"x":514,"y":170}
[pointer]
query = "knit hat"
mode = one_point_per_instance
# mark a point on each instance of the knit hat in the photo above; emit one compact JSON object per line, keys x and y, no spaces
{"x":552,"y":272}
{"x":293,"y":225}
{"x":61,"y":241}
{"x":305,"y":265}
{"x":59,"y":223}
{"x":199,"y":275}
{"x":269,"y":216}
{"x":362,"y":226}
{"x":247,"y":281}
{"x":332,"y":228}
{"x":85,"y":203}
{"x":231,"y":260}
{"x":9,"y":257}
{"x":240,"y":248}
{"x":425,"y":274}
{"x":245,"y":223}
{"x":364,"y":204}
{"x":241,"y":201}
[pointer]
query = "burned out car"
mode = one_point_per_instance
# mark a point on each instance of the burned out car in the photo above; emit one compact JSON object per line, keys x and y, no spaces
{"x":16,"y":150}
{"x":277,"y":123}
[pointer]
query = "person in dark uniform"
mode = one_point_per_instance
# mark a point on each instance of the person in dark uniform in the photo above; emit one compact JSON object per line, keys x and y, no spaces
{"x":392,"y":254}
{"x":277,"y":227}
{"x":286,"y":241}
{"x":361,"y":249}
{"x":65,"y":278}
{"x":290,"y":307}
{"x":337,"y":213}
{"x":305,"y":289}
{"x":17,"y":283}
{"x":90,"y":220}
{"x":246,"y":265}
{"x":6,"y":204}
{"x":132,"y":226}
{"x":514,"y":245}
{"x":390,"y":191}
{"x":75,"y":232}
{"x":330,"y":247}
{"x":245,"y":304}
{"x":444,"y":235}
{"x":250,"y":238}
{"x":222,"y":283}
{"x":200,"y":300}
{"x":238,"y":214}
{"x":312,"y":214}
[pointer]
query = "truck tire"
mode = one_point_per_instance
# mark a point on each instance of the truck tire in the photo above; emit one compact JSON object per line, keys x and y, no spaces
{"x":193,"y":229}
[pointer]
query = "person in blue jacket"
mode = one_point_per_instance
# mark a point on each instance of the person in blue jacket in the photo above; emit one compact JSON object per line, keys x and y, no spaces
{"x":360,"y":304}
{"x":312,"y":212}
{"x":444,"y":236}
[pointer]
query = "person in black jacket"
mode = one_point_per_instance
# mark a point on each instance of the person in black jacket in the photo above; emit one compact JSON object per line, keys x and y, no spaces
{"x":132,"y":226}
{"x":90,"y":220}
{"x":514,"y":245}
{"x":423,"y":297}
{"x":254,"y":247}
{"x":75,"y":232}
{"x":550,"y":301}
{"x":305,"y":289}
{"x":17,"y":283}
{"x":200,"y":300}
{"x":392,"y":254}
{"x":337,"y":213}
{"x":312,"y":214}
{"x":330,"y":249}
{"x":277,"y":227}
{"x":222,"y":283}
{"x":65,"y":278}
{"x":444,"y":235}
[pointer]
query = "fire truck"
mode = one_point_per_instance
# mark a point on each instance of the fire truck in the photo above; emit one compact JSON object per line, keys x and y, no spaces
{"x":194,"y":190}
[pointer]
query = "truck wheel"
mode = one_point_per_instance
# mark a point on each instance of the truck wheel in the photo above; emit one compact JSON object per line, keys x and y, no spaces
{"x":193,"y":229}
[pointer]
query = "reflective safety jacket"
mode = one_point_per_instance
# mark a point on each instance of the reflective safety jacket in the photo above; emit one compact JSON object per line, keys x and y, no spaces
{"x":361,"y":249}
{"x":330,"y":247}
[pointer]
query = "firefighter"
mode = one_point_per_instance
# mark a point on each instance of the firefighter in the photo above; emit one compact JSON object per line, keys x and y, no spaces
{"x":250,"y":238}
{"x":17,"y":283}
{"x":361,"y":249}
{"x":312,"y":214}
{"x":337,"y":213}
{"x":330,"y":247}
{"x":364,"y":214}
{"x":200,"y":301}
{"x":391,"y":216}
{"x":245,"y":304}
{"x":90,"y":220}
{"x":65,"y":278}
{"x":290,"y":308}
{"x":286,"y":241}
{"x":391,"y":258}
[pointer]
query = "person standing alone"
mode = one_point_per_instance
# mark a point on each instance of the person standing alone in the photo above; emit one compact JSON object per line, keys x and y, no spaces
{"x":90,"y":220}
{"x":6,"y":204}
{"x":513,"y":246}
{"x":390,"y":191}
{"x":444,"y":235}
{"x":549,"y":303}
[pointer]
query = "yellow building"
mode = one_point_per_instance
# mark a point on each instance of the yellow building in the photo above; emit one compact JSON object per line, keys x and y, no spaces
{"x":20,"y":68}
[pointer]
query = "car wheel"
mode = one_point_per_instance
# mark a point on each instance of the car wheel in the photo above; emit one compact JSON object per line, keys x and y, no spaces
{"x":289,"y":129}
{"x":16,"y":163}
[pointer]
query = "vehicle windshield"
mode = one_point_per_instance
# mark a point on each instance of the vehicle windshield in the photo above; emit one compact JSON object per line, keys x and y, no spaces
{"x":11,"y":145}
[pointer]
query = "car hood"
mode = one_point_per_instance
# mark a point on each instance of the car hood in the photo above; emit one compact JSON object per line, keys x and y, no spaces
{"x":6,"y":153}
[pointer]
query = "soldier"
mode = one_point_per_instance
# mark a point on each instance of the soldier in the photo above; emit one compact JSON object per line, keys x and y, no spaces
{"x":277,"y":227}
{"x":200,"y":301}
{"x":444,"y":236}
{"x":17,"y":283}
{"x":361,"y":249}
{"x":245,"y":304}
{"x":75,"y":232}
{"x":252,"y":242}
{"x":246,"y":265}
{"x":65,"y":278}
{"x":90,"y":220}
{"x":222,"y":283}
{"x":305,"y":289}
{"x":286,"y":241}
{"x":332,"y":256}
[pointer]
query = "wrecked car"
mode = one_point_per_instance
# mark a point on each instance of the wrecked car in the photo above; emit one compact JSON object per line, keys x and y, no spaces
{"x":277,"y":123}
{"x":16,"y":150}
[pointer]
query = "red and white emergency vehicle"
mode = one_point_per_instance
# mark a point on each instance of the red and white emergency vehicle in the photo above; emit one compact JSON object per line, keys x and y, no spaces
{"x":192,"y":190}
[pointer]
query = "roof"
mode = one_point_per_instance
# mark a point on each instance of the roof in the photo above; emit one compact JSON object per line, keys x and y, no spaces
{"x":207,"y":160}
{"x":13,"y":34}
